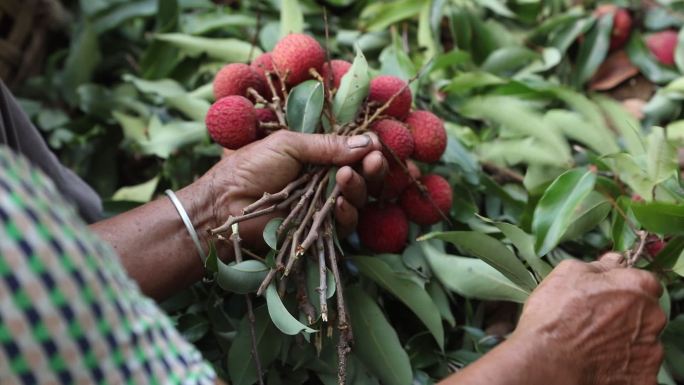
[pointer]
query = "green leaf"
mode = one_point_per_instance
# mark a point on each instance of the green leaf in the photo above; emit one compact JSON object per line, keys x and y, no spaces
{"x":242,"y":278}
{"x":661,"y":161}
{"x":641,"y":57}
{"x":555,"y":209}
{"x":291,"y":18}
{"x":84,"y":57}
{"x":408,"y":292}
{"x":270,"y":236}
{"x":594,"y":49}
{"x":660,"y":218}
{"x":490,"y":250}
{"x":201,"y":23}
{"x":241,"y":367}
{"x":525,"y":244}
{"x":679,"y":51}
{"x":631,"y":173}
{"x":167,"y":138}
{"x":226,"y":49}
{"x":375,"y":341}
{"x":378,"y":16}
{"x":139,"y":193}
{"x":597,"y":137}
{"x":353,"y":90}
{"x":281,"y":317}
{"x":439,"y":297}
{"x":471,"y":277}
{"x":593,"y":209}
{"x":508,"y":59}
{"x":193,"y":327}
{"x":467,"y":81}
{"x":304,"y":106}
{"x":621,"y":233}
{"x":627,"y":126}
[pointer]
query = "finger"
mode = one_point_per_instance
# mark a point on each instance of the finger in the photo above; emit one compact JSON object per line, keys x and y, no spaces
{"x":374,"y":167}
{"x":346,"y":216}
{"x":352,"y":186}
{"x":325,"y":148}
{"x":638,"y":279}
{"x":609,"y":261}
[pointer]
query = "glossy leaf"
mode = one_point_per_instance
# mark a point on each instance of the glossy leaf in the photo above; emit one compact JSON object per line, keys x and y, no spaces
{"x":441,"y":300}
{"x":304,"y":106}
{"x":621,"y":231}
{"x":244,"y":277}
{"x":660,"y":218}
{"x":554,"y":211}
{"x":269,"y":234}
{"x":471,"y":277}
{"x":408,"y":292}
{"x":353,"y":90}
{"x":661,"y":161}
{"x":525,"y":244}
{"x":241,"y":367}
{"x":594,"y":49}
{"x":592,"y":211}
{"x":491,"y":251}
{"x":225,"y":49}
{"x":640,"y":56}
{"x":281,"y":317}
{"x":291,"y":18}
{"x":375,"y":341}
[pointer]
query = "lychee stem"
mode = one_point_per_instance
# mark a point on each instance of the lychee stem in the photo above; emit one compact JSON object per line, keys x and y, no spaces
{"x":310,"y":189}
{"x":282,"y":194}
{"x":319,"y":217}
{"x":305,"y":305}
{"x":323,"y":280}
{"x":279,"y":265}
{"x":633,"y":256}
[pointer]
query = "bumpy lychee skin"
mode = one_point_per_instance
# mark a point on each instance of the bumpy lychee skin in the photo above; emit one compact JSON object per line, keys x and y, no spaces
{"x":235,"y":79}
{"x":396,"y":137}
{"x":232,"y":122}
{"x":381,"y":90}
{"x":339,"y":69}
{"x":429,"y":136}
{"x":397,"y":180}
{"x":383,"y":229}
{"x":264,"y":115}
{"x":419,"y":208}
{"x":622,"y":24}
{"x":662,"y":45}
{"x":295,"y":54}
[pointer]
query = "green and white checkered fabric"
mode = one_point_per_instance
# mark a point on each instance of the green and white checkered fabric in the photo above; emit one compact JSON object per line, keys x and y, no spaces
{"x":68,"y":312}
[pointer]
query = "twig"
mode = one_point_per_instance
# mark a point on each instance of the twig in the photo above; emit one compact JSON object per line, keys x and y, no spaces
{"x":282,"y":194}
{"x":633,"y":257}
{"x":323,"y":279}
{"x":276,"y":105}
{"x":279,"y":262}
{"x":310,"y":189}
{"x":302,"y":296}
{"x":320,"y":216}
{"x":502,"y":174}
{"x":235,"y":238}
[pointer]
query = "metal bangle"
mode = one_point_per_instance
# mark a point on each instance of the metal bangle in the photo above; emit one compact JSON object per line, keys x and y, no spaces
{"x":188,"y":224}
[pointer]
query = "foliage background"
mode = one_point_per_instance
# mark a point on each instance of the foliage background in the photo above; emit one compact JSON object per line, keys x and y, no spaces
{"x":126,"y":86}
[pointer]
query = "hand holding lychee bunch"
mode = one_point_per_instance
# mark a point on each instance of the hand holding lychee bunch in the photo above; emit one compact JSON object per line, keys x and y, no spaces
{"x":251,"y":104}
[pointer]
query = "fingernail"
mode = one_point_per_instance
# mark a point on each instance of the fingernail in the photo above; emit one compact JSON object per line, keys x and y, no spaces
{"x":358,"y":141}
{"x":340,"y":203}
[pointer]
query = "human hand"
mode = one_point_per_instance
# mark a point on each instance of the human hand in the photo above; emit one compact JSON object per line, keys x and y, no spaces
{"x":598,"y":320}
{"x":268,"y":165}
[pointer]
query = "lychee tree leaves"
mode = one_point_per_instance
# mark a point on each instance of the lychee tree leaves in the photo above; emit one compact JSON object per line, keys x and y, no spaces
{"x":492,"y":251}
{"x":291,"y":18}
{"x":353,"y":90}
{"x":660,"y":218}
{"x":376,"y":342}
{"x":280,"y":316}
{"x":242,"y":278}
{"x":594,"y":49}
{"x":304,"y":106}
{"x":525,"y":244}
{"x":555,"y":209}
{"x":225,"y":49}
{"x":410,"y":293}
{"x":241,"y":368}
{"x":679,"y":51}
{"x":622,"y":235}
{"x":439,"y":297}
{"x":661,"y":160}
{"x":270,"y":235}
{"x":471,"y":277}
{"x":592,"y":211}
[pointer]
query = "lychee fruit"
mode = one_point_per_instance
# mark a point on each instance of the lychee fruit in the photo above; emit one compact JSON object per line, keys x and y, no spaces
{"x":264,"y":115}
{"x":662,"y":45}
{"x":235,"y":79}
{"x":383,"y":88}
{"x":429,"y":136}
{"x":339,"y":69}
{"x":654,"y":246}
{"x":395,"y":136}
{"x":622,"y":24}
{"x":232,"y":122}
{"x":262,"y":64}
{"x":397,"y":180}
{"x":383,"y":228}
{"x":423,"y":210}
{"x":295,"y":54}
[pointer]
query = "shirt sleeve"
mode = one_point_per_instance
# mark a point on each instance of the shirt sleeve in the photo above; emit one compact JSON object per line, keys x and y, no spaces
{"x":69,"y":314}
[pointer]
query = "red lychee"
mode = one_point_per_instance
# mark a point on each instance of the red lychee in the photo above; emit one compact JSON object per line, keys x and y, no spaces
{"x":662,"y":45}
{"x":397,"y":180}
{"x":395,"y":136}
{"x":383,"y":88}
{"x":339,"y":68}
{"x":429,"y":136}
{"x":622,"y":24}
{"x":262,"y":64}
{"x":232,"y":122}
{"x":235,"y":79}
{"x":264,"y":115}
{"x":421,"y":209}
{"x":295,"y":54}
{"x":383,"y":229}
{"x":654,"y":246}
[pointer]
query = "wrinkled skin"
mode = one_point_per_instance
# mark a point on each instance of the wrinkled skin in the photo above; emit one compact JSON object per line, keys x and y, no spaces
{"x":242,"y":176}
{"x":588,"y":324}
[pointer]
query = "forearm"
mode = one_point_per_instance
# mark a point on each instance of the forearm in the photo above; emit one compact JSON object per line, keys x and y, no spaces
{"x":154,"y":245}
{"x":518,"y":361}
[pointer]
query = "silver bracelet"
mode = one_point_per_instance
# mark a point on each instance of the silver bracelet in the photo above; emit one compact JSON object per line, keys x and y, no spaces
{"x":188,"y":224}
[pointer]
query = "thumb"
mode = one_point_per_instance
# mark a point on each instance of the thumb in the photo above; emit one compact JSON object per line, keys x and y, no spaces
{"x":326,"y":148}
{"x":609,"y":261}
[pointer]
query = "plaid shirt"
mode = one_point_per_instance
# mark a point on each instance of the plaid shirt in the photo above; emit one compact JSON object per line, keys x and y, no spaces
{"x":69,"y":314}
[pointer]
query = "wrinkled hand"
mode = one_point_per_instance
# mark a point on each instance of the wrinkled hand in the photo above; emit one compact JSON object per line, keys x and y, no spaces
{"x":268,"y":165}
{"x":603,"y":320}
